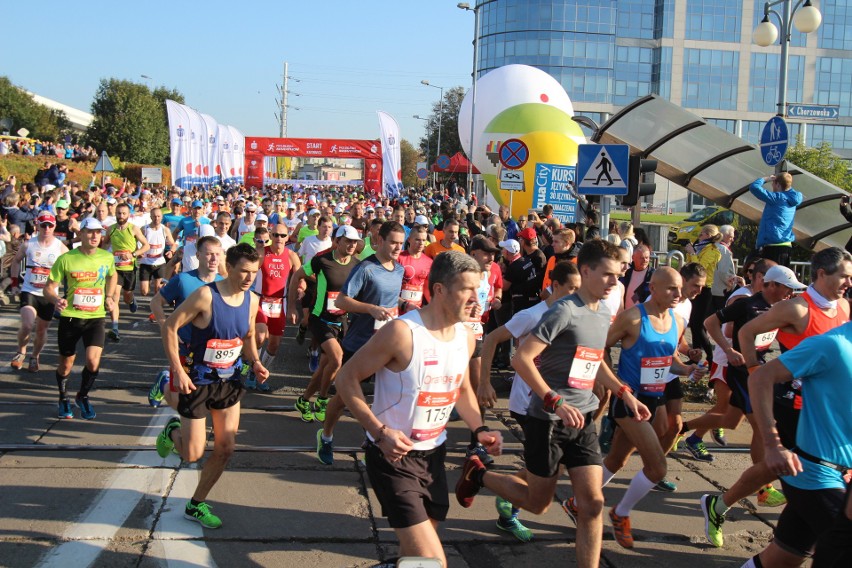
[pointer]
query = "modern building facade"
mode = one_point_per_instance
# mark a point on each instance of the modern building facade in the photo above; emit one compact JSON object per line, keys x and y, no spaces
{"x":698,"y":54}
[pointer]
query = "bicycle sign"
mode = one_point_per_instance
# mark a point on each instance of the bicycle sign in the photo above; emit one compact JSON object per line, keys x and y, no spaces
{"x":774,"y":141}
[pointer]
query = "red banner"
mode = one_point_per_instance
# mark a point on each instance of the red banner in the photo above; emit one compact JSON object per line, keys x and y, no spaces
{"x":368,"y":150}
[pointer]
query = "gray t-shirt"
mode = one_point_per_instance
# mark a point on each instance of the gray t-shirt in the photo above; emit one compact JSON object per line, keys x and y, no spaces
{"x":569,"y":327}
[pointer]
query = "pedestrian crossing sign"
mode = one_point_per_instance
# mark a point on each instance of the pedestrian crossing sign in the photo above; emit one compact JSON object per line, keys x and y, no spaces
{"x":603,"y":169}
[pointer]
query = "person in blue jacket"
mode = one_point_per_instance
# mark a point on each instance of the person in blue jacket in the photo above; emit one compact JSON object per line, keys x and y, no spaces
{"x":775,"y":233}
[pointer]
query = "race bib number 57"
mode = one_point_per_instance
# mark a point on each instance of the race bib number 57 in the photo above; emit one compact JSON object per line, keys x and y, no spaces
{"x":653,"y":374}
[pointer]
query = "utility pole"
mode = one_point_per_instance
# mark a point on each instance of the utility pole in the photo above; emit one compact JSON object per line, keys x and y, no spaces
{"x":283,"y":131}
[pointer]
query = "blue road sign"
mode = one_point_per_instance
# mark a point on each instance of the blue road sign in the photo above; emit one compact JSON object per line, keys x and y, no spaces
{"x":602,"y":169}
{"x":422,"y":173}
{"x":774,"y":140}
{"x":443,"y":161}
{"x":552,"y":185}
{"x":514,"y":154}
{"x":813,"y":112}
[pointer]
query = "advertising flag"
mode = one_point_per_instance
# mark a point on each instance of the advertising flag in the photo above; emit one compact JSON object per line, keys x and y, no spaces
{"x":391,"y":158}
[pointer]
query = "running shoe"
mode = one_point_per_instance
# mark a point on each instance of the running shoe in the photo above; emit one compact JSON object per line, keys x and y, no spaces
{"x":719,"y":437}
{"x":678,"y":439}
{"x":621,"y":529}
{"x":304,"y":408}
{"x":698,"y":451}
{"x":164,"y":440}
{"x":479,"y":451}
{"x":713,"y":521}
{"x":325,"y":450}
{"x":152,"y":318}
{"x":468,"y":484}
{"x":64,"y":409}
{"x":320,"y":408}
{"x":607,"y":431}
{"x":33,"y":367}
{"x":513,"y":526}
{"x":504,"y":508}
{"x":201,"y":514}
{"x":665,"y":485}
{"x":113,"y":335}
{"x":18,"y":361}
{"x":264,"y":386}
{"x":86,"y":410}
{"x":570,"y":509}
{"x":770,"y":497}
{"x":133,"y":306}
{"x":300,"y":336}
{"x":313,"y":363}
{"x":249,"y":380}
{"x":157,"y":392}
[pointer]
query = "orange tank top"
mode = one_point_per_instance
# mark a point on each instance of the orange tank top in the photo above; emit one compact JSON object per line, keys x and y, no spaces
{"x":818,"y":323}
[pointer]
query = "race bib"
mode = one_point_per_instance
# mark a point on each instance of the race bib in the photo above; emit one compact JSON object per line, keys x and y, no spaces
{"x":411,"y":294}
{"x":191,"y":238}
{"x":121,"y":259}
{"x":378,"y":324}
{"x":653,"y":374}
{"x":584,"y":367}
{"x":764,"y":340}
{"x":88,"y":299}
{"x":476,"y":327}
{"x":222,"y":353}
{"x":272,"y":307}
{"x":432,"y":414}
{"x":38,"y":276}
{"x":330,"y":305}
{"x":156,"y":251}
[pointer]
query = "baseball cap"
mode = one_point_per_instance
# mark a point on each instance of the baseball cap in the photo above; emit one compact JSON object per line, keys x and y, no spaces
{"x":91,"y":224}
{"x":528,"y":234}
{"x":261,"y":217}
{"x":313,"y":212}
{"x":369,"y":209}
{"x":347,"y":231}
{"x":300,"y":200}
{"x":250,"y":206}
{"x":338,"y":209}
{"x":111,"y":200}
{"x":511,"y":245}
{"x":421,"y":220}
{"x":481,"y":242}
{"x":197,"y":203}
{"x":206,"y":230}
{"x":62,"y":204}
{"x":784,"y":276}
{"x":46,"y":217}
{"x":291,"y":205}
{"x":220,"y":198}
{"x":176,"y":200}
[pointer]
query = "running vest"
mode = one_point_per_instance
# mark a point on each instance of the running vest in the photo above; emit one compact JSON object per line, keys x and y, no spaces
{"x":157,"y":240}
{"x":418,"y":400}
{"x":216,"y":349}
{"x":63,"y":230}
{"x":123,"y":241}
{"x":818,"y":323}
{"x":39,"y":260}
{"x":613,"y":301}
{"x":244,"y":229}
{"x":275,"y":272}
{"x":644,"y":366}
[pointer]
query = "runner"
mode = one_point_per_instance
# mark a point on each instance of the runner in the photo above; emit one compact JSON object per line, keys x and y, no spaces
{"x":821,"y":308}
{"x":558,"y":428}
{"x":174,"y":217}
{"x":162,"y":245}
{"x":127,"y":244}
{"x":330,"y":271}
{"x":221,"y":227}
{"x":447,"y":242}
{"x":371,"y":297}
{"x":188,"y":227}
{"x":416,"y":267}
{"x":66,"y":227}
{"x":650,"y":333}
{"x":40,"y":253}
{"x":310,"y":246}
{"x":406,"y":425}
{"x":90,"y":281}
{"x":564,"y":281}
{"x":221,"y":316}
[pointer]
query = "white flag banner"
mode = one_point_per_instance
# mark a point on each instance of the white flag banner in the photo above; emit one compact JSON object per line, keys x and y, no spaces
{"x":210,"y":166}
{"x":226,"y":154}
{"x":391,"y":159}
{"x":196,"y":145}
{"x":179,"y":144}
{"x":239,"y":145}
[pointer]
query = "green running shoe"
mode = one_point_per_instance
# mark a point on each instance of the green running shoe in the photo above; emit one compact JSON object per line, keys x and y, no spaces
{"x":157,"y":392}
{"x":719,"y":437}
{"x":712,"y":521}
{"x":513,"y":526}
{"x":699,"y":451}
{"x":325,"y":450}
{"x":504,"y":508}
{"x":319,"y":409}
{"x":201,"y":514}
{"x":665,"y":485}
{"x":304,"y":408}
{"x":770,"y":497}
{"x":164,"y":440}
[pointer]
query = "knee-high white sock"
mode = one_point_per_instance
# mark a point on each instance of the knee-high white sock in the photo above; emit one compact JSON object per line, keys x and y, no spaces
{"x":607,"y":476}
{"x":266,"y":357}
{"x":640,"y":486}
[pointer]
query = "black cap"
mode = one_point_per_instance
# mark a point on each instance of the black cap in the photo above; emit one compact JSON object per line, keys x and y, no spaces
{"x":481,"y":242}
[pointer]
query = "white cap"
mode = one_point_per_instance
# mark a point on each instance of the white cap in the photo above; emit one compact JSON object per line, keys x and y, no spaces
{"x":369,"y":209}
{"x":511,"y":245}
{"x":91,"y":223}
{"x":291,"y":205}
{"x":313,"y":212}
{"x":421,"y":220}
{"x":250,"y":206}
{"x":261,"y":217}
{"x":300,"y":200}
{"x":347,"y":231}
{"x":338,"y":209}
{"x":784,"y":276}
{"x":206,"y":231}
{"x":111,"y":200}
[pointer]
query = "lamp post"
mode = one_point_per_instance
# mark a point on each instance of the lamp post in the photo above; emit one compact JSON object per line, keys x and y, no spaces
{"x":475,"y":10}
{"x":418,"y":117}
{"x":440,"y":117}
{"x":804,"y":16}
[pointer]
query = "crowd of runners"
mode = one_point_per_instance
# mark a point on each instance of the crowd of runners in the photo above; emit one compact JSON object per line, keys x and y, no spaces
{"x":410,"y":302}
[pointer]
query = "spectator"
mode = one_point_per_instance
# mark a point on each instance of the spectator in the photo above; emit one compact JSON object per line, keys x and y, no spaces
{"x":637,"y":279}
{"x":775,"y":232}
{"x":526,"y":274}
{"x":628,"y":241}
{"x":705,"y":252}
{"x":725,"y":276}
{"x":19,"y":217}
{"x":508,"y":222}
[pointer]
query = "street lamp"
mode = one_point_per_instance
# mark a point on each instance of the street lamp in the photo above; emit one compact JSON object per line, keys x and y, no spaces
{"x":440,"y":112}
{"x":475,"y":10}
{"x":418,"y":117}
{"x":804,"y":16}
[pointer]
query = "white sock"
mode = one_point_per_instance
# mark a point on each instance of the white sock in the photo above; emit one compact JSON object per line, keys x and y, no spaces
{"x":266,"y":357}
{"x":720,"y":506}
{"x":327,"y":438}
{"x":640,"y":486}
{"x":607,"y":476}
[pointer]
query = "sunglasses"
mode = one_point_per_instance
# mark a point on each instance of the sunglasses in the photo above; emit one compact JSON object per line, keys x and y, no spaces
{"x":260,"y":240}
{"x":279,"y":235}
{"x":46,"y":225}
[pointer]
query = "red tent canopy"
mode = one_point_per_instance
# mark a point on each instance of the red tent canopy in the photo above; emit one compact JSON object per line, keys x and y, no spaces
{"x":458,"y":165}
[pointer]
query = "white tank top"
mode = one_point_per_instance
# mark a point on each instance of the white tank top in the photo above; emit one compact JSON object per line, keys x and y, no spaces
{"x":39,"y":260}
{"x":613,"y":301}
{"x":244,"y":229}
{"x":157,"y":241}
{"x":418,"y":400}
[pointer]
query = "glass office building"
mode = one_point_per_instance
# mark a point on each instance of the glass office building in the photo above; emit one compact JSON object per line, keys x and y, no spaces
{"x":698,"y":54}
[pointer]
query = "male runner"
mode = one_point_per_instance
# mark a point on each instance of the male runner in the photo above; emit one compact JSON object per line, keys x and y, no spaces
{"x":127,"y":244}
{"x":406,"y":424}
{"x":221,"y":318}
{"x":448,"y":242}
{"x":221,"y":227}
{"x":161,"y":244}
{"x":327,"y":322}
{"x":90,"y":282}
{"x":371,"y":297}
{"x":40,"y":253}
{"x":173,"y":218}
{"x":188,"y":227}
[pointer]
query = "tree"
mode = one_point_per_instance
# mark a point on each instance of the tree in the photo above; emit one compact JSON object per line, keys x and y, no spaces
{"x":449,"y":123}
{"x":821,"y":162}
{"x":130,"y":121}
{"x":409,"y":156}
{"x":43,"y":123}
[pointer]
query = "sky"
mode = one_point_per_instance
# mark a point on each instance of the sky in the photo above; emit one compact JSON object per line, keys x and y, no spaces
{"x":347,"y":59}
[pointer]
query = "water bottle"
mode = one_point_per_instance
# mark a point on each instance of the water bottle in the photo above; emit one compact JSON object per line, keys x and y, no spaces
{"x":702,"y":365}
{"x":607,"y":431}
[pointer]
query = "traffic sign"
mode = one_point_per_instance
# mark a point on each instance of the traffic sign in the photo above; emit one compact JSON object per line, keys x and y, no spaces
{"x":813,"y":112}
{"x":511,"y":180}
{"x":603,"y":169}
{"x":443,"y":161}
{"x":774,"y":140}
{"x":422,"y":173}
{"x":514,"y":154}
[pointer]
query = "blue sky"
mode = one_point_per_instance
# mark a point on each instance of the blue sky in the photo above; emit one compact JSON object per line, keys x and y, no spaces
{"x":351,"y":58}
